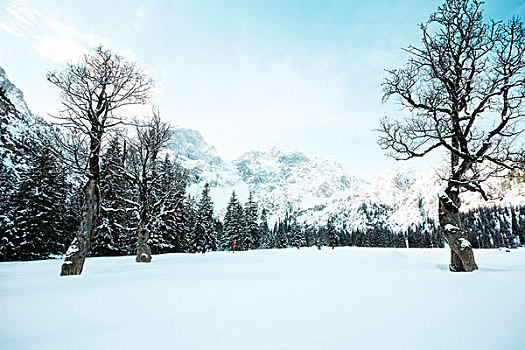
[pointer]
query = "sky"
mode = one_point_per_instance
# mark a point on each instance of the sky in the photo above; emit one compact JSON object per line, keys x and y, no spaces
{"x":246,"y":74}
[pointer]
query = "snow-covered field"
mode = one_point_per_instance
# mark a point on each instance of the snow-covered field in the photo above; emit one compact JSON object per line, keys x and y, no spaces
{"x":347,"y":298}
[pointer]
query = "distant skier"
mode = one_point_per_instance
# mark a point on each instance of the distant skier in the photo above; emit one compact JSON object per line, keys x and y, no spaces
{"x":204,"y":246}
{"x":233,"y":246}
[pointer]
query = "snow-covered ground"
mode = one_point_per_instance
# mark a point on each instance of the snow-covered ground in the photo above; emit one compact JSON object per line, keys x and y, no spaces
{"x":347,"y":298}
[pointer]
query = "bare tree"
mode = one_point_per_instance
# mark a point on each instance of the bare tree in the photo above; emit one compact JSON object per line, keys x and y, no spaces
{"x":141,"y":170}
{"x":91,"y":92}
{"x":464,"y":88}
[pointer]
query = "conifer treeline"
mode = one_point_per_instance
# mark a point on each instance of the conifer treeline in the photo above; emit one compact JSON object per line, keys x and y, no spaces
{"x":40,"y":215}
{"x":37,"y":201}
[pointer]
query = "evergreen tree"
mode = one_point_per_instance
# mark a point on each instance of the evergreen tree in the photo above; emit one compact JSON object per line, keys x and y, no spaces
{"x":359,"y":238}
{"x":190,"y":220}
{"x":296,"y":236}
{"x":8,"y":240}
{"x":233,"y":223}
{"x":331,"y":232}
{"x":266,"y":238}
{"x":520,"y":234}
{"x":39,"y":204}
{"x":205,"y":235}
{"x":281,"y":239}
{"x":219,"y":229}
{"x":115,"y":222}
{"x":12,"y":160}
{"x":170,"y":191}
{"x":251,"y":231}
{"x":309,"y":235}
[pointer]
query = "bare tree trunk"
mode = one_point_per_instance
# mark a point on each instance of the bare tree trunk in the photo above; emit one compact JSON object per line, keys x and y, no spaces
{"x":79,"y":248}
{"x":461,"y":254}
{"x":143,"y":249}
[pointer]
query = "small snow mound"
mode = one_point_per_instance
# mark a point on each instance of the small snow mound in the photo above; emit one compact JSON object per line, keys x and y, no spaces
{"x":73,"y":248}
{"x":450,"y":227}
{"x":464,"y":243}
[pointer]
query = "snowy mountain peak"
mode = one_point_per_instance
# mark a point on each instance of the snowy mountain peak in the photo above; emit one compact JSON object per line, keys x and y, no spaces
{"x":287,"y":154}
{"x":15,"y":96}
{"x":260,"y":167}
{"x":190,"y":144}
{"x":283,"y":179}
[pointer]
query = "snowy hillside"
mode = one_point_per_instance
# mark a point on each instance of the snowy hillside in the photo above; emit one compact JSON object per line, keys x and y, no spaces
{"x":14,"y":120}
{"x":347,"y":298}
{"x":18,"y":125}
{"x":13,"y":94}
{"x":202,"y":160}
{"x":409,"y":196}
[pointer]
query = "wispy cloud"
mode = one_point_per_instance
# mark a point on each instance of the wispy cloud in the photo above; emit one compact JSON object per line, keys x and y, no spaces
{"x":62,"y":41}
{"x":11,"y":30}
{"x":49,"y":35}
{"x":23,"y":15}
{"x":21,"y":18}
{"x":140,"y":14}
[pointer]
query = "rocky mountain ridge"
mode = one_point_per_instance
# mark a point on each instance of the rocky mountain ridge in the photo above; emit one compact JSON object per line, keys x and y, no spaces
{"x":287,"y":182}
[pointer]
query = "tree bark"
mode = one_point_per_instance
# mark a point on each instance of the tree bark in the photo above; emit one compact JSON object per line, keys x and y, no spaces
{"x":143,"y":249}
{"x":461,"y":254}
{"x":79,"y":248}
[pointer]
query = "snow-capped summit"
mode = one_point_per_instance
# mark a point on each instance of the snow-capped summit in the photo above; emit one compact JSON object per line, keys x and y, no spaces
{"x":287,"y":165}
{"x":18,"y":121}
{"x":15,"y":96}
{"x":190,"y":144}
{"x":200,"y":159}
{"x":283,"y":179}
{"x":287,"y":154}
{"x":264,"y":167}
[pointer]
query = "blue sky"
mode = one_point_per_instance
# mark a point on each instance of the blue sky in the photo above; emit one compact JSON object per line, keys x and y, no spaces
{"x":247,"y":74}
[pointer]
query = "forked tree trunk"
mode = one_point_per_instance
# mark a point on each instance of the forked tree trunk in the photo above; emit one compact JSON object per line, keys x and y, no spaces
{"x":461,"y":254}
{"x":79,"y":248}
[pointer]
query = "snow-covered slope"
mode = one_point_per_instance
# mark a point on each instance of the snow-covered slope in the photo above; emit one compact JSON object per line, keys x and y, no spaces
{"x":347,"y":298}
{"x":202,"y":160}
{"x":409,"y":195}
{"x":13,"y":93}
{"x":16,"y":123}
{"x":286,"y":180}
